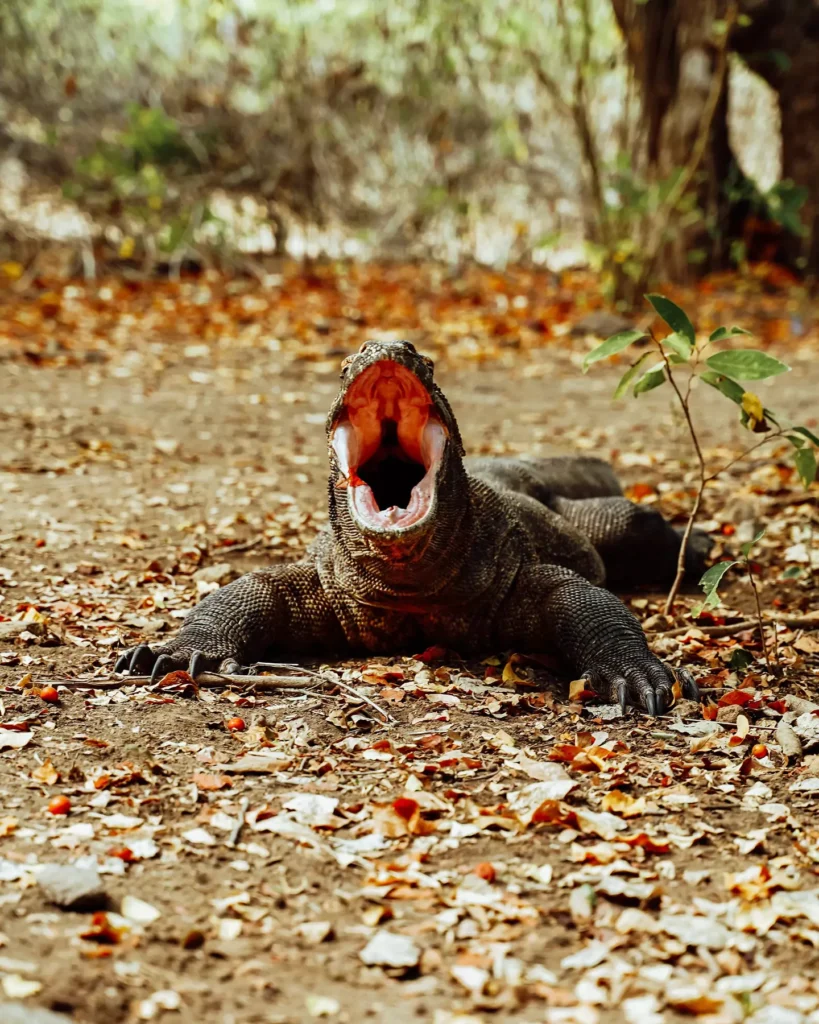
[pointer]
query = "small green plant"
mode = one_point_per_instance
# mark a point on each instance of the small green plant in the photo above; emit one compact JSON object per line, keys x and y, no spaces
{"x":722,"y":369}
{"x":711,"y":580}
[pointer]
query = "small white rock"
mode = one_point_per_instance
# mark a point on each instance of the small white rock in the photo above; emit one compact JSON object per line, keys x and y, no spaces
{"x":386,"y":949}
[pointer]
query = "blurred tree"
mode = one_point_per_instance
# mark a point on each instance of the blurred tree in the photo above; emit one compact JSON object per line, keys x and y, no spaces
{"x":679,"y":51}
{"x":780,"y":42}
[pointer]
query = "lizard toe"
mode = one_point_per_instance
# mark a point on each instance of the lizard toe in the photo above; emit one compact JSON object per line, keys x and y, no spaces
{"x":652,"y":684}
{"x":198,"y":662}
{"x":141,"y":658}
{"x":164,"y":663}
{"x":690,"y":690}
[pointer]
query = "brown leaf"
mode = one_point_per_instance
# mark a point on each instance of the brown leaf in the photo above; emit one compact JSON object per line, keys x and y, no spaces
{"x":46,"y":773}
{"x":210,"y":783}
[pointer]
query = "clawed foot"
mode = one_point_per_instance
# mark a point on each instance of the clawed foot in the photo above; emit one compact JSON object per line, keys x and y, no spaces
{"x":646,"y":686}
{"x":142,"y":660}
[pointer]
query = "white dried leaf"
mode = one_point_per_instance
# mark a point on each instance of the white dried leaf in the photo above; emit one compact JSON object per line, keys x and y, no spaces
{"x":138,"y":911}
{"x":199,"y":837}
{"x":313,"y":809}
{"x":12,"y":740}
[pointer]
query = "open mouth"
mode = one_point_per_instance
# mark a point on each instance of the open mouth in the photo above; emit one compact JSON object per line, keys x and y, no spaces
{"x":389,"y":444}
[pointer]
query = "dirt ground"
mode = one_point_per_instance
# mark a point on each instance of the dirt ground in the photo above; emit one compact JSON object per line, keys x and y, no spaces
{"x":694,"y":890}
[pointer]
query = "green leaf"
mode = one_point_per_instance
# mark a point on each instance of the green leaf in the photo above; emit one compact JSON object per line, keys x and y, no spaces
{"x":711,"y":580}
{"x":797,"y":442}
{"x":793,"y":572}
{"x":652,"y":378}
{"x":746,"y":364}
{"x":676,"y":318}
{"x":680,"y":345}
{"x":805,"y":460}
{"x":728,"y":387}
{"x":726,"y":332}
{"x":807,"y":433}
{"x":616,"y":343}
{"x":630,"y":374}
{"x":740,"y":659}
{"x":746,"y":547}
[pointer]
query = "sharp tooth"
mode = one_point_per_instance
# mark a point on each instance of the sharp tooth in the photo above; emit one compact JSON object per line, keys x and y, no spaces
{"x":345,"y":445}
{"x":433,"y":440}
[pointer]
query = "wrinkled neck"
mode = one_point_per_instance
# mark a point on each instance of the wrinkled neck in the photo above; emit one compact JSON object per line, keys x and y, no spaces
{"x":419,"y":562}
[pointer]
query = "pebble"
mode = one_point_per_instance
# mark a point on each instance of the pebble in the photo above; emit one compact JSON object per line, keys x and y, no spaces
{"x":386,"y":949}
{"x":72,"y":888}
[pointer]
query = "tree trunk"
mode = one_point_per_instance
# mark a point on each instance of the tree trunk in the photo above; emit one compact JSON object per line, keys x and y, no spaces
{"x":781,"y":44}
{"x":675,"y":58}
{"x":672,"y":50}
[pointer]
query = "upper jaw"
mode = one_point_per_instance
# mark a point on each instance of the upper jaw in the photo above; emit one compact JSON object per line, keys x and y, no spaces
{"x":389,"y":445}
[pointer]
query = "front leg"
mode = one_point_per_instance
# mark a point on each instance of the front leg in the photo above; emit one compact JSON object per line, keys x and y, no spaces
{"x":553,"y":609}
{"x":282,"y":610}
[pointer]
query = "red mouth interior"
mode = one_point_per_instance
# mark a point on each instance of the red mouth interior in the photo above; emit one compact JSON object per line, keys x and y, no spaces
{"x":388,"y":445}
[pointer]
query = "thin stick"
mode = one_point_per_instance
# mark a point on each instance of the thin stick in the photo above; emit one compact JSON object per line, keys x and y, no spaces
{"x":794,"y":622}
{"x":758,"y":614}
{"x":356,"y":693}
{"x":714,"y":631}
{"x":233,"y":838}
{"x":207,"y":680}
{"x":675,"y":586}
{"x":214,"y":680}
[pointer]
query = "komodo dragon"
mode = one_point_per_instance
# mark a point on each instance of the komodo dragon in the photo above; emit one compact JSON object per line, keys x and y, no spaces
{"x":424,"y":547}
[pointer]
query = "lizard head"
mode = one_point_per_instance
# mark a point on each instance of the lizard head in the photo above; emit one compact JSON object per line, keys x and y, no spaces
{"x":393,"y":441}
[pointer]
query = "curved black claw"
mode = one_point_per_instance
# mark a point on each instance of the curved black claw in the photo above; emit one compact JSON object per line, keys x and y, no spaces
{"x":637,"y":680}
{"x":197,"y":663}
{"x":163,"y":664}
{"x":690,"y":690}
{"x":143,"y":656}
{"x":123,"y":661}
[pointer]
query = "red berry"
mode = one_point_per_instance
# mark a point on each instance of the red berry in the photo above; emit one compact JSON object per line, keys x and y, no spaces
{"x":485,"y":870}
{"x":59,"y":805}
{"x":48,"y":693}
{"x":236,"y":725}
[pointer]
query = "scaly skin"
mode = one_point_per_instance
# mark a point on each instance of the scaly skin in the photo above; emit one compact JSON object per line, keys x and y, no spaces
{"x":511,"y":555}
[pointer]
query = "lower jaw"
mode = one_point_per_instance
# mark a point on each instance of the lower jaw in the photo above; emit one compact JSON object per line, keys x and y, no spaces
{"x":404,"y":531}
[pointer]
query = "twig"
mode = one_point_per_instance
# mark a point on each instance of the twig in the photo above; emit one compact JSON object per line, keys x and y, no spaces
{"x":715,"y":631}
{"x":792,"y":622}
{"x":765,"y":653}
{"x":207,"y":680}
{"x":356,"y":693}
{"x":675,"y":586}
{"x":779,"y":432}
{"x":233,"y":838}
{"x":214,"y":680}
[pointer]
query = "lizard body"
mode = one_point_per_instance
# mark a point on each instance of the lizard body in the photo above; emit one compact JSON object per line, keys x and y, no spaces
{"x":426,"y":547}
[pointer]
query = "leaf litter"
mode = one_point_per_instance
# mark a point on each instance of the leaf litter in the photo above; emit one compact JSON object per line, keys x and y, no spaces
{"x":508,"y":847}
